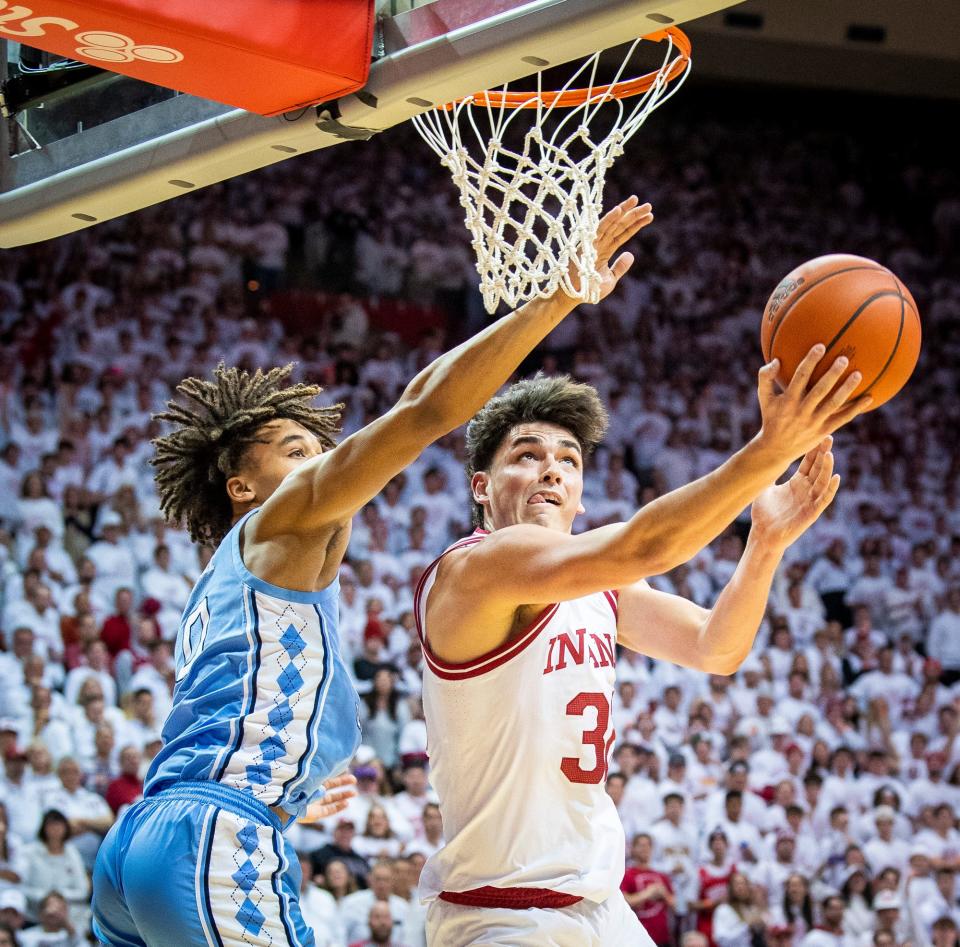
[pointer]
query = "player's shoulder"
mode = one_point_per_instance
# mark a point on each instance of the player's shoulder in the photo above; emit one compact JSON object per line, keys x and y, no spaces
{"x":478,"y":559}
{"x":506,"y":540}
{"x":454,"y":553}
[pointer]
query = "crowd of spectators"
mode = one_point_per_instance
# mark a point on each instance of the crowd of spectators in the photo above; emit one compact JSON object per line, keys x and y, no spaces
{"x":810,"y":799}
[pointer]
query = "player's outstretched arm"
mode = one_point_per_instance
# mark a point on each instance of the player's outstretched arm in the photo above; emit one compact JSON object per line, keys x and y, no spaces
{"x":526,"y":564}
{"x":446,"y":394}
{"x":717,"y":640}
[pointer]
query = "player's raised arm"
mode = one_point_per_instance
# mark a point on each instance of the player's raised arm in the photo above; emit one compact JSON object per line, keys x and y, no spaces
{"x":670,"y":628}
{"x":522,"y":564}
{"x":333,"y":486}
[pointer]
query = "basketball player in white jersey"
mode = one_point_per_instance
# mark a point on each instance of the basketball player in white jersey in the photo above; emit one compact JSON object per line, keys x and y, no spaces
{"x":519,"y":624}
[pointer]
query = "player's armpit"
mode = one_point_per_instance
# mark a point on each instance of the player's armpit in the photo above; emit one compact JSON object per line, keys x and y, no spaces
{"x":663,"y":626}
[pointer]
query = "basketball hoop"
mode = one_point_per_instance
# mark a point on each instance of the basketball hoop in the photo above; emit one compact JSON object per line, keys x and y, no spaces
{"x":533,"y":211}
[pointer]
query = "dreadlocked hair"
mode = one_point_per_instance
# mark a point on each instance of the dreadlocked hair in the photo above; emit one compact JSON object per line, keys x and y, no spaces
{"x":556,"y":400}
{"x":216,"y":424}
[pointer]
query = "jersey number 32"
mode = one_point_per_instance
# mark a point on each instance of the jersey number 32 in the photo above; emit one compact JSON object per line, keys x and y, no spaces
{"x":596,"y":738}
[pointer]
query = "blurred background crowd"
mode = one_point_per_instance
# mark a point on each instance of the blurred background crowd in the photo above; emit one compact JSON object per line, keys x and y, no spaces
{"x":811,"y":798}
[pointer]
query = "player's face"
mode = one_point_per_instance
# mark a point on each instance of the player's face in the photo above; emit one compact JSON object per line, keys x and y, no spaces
{"x":536,"y":477}
{"x":280,"y":447}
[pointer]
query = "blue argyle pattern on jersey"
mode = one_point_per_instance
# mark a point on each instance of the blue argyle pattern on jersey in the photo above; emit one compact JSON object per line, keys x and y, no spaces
{"x":247,"y":895}
{"x":290,"y":664}
{"x":264,"y":702}
{"x":229,"y":876}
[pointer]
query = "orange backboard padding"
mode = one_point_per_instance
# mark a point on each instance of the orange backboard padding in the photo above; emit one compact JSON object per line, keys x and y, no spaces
{"x":265,"y":56}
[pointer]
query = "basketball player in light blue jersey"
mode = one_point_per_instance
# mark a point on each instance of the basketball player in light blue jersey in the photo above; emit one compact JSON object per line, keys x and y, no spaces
{"x":264,"y":712}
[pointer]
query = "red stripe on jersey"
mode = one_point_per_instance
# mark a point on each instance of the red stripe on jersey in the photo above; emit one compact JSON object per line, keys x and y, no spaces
{"x":418,"y":594}
{"x":490,"y":660}
{"x":512,"y":898}
{"x":613,"y":599}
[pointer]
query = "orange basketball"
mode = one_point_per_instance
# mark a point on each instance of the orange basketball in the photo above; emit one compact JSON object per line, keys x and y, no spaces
{"x":855,"y":307}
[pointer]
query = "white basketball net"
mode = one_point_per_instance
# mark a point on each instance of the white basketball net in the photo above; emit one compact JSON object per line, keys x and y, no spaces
{"x":533,"y":214}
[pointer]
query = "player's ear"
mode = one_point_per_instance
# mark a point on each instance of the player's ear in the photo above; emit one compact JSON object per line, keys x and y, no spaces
{"x":240,"y":490}
{"x":479,"y":485}
{"x":581,"y":509}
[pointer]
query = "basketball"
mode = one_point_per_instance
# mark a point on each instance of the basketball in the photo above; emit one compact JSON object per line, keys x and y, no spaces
{"x":856,"y":308}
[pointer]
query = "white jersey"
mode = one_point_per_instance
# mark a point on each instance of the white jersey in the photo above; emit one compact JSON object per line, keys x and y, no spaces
{"x":518,"y":742}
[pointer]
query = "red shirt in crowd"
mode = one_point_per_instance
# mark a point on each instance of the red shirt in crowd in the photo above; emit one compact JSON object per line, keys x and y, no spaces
{"x":654,"y":915}
{"x":123,"y":791}
{"x":116,"y":634}
{"x":713,"y":887}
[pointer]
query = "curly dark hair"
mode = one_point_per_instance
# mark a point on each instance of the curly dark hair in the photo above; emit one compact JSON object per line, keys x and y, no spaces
{"x":214,"y":429}
{"x":554,"y":400}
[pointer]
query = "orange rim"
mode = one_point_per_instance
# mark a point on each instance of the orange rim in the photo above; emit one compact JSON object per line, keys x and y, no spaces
{"x":624,"y":89}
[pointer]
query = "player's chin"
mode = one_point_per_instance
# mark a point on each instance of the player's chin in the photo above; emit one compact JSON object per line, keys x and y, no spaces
{"x":545,"y":514}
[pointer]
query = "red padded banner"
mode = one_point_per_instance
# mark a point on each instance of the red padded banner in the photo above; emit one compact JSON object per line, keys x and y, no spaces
{"x":265,"y":56}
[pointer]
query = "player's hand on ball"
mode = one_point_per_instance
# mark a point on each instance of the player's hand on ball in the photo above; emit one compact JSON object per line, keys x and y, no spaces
{"x":796,"y":420}
{"x":783,"y":512}
{"x":339,"y":792}
{"x":617,"y":226}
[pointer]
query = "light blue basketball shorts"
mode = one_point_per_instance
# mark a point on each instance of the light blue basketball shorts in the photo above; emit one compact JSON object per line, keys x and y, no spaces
{"x":198,"y":865}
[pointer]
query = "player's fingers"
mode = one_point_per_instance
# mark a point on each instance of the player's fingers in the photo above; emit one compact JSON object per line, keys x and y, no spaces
{"x":846,"y":414}
{"x":816,"y":465}
{"x":632,"y":208}
{"x":812,"y":455}
{"x":766,"y":380}
{"x":621,"y":229}
{"x":840,"y":397}
{"x":322,"y":811}
{"x":344,"y":779}
{"x":334,"y":806}
{"x":634,"y":225}
{"x":801,"y":377}
{"x":319,"y":811}
{"x":621,"y":264}
{"x":341,"y":795}
{"x":343,"y":792}
{"x":629,"y":217}
{"x":628,"y":203}
{"x":823,"y":471}
{"x":825,"y":498}
{"x":819,"y":391}
{"x":807,"y":481}
{"x":610,"y":218}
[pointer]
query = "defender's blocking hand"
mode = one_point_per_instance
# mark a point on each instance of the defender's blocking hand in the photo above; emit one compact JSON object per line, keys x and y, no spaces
{"x":617,"y":226}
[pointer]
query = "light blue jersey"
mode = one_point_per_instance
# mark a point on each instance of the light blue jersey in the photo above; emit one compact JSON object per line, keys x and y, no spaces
{"x":263,"y":702}
{"x":263,"y":711}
